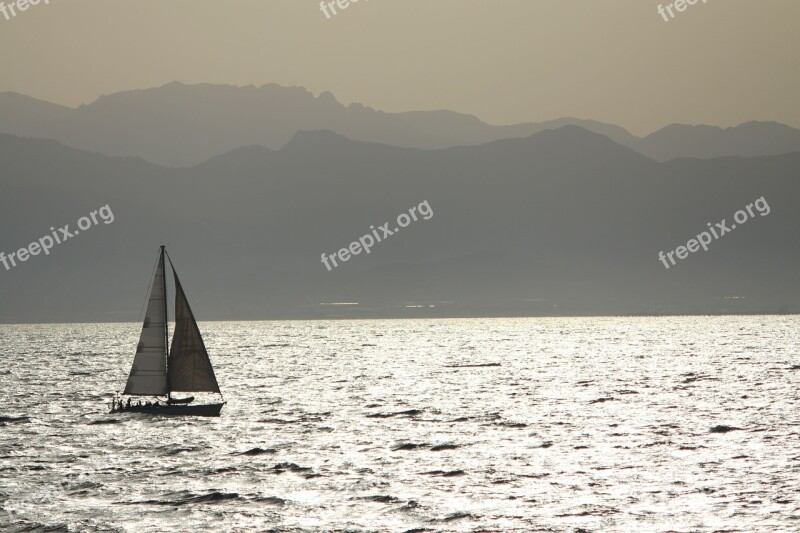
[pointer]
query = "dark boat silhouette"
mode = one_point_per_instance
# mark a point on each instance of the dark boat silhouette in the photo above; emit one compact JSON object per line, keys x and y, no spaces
{"x":158,"y":372}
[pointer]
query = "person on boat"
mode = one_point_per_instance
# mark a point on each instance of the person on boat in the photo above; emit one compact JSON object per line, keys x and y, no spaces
{"x":148,"y":404}
{"x":156,"y":404}
{"x":120,"y":405}
{"x":128,"y":405}
{"x":139,"y":403}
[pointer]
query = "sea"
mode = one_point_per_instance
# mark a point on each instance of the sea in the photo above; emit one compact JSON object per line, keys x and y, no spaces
{"x":642,"y":424}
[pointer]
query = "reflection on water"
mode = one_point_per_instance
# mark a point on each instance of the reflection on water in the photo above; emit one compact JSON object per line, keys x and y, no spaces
{"x":624,"y":424}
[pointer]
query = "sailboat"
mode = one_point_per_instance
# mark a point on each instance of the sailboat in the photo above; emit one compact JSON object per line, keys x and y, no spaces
{"x":157,"y":372}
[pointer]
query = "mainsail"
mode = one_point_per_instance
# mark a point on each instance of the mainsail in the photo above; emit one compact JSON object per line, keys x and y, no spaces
{"x":189,"y":366}
{"x":148,"y":375}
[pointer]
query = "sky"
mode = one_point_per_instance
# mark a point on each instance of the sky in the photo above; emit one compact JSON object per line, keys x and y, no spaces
{"x":506,"y":61}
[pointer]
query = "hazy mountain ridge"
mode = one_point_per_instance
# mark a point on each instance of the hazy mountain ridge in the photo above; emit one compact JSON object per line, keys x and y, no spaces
{"x":562,"y":222}
{"x":26,"y":116}
{"x":748,"y":139}
{"x":184,"y":125}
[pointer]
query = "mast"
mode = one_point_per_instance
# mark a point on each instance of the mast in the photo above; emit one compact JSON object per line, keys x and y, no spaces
{"x":166,"y":316}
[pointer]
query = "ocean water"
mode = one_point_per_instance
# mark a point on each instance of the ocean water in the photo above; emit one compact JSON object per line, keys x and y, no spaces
{"x":581,"y":424}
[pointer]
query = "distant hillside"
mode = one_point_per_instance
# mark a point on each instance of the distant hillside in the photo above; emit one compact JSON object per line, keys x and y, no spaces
{"x":26,"y":116}
{"x":749,"y":139}
{"x":184,"y":125}
{"x":562,"y":222}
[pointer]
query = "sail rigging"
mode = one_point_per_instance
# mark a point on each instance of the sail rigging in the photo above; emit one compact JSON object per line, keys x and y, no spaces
{"x":190,"y":368}
{"x":148,"y":375}
{"x":159,"y":370}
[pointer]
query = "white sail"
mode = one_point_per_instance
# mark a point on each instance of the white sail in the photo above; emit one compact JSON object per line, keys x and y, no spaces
{"x":189,"y":366}
{"x":148,"y":375}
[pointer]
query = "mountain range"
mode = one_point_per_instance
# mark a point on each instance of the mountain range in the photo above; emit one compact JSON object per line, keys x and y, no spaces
{"x":564,"y":221}
{"x":184,"y":125}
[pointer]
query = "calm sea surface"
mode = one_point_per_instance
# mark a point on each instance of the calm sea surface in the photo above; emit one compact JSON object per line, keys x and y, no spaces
{"x":584,"y":424}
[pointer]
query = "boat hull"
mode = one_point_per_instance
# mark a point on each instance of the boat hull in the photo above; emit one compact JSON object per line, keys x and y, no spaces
{"x":212,"y":409}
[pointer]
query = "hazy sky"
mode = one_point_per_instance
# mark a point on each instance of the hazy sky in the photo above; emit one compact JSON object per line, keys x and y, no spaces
{"x":506,"y":61}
